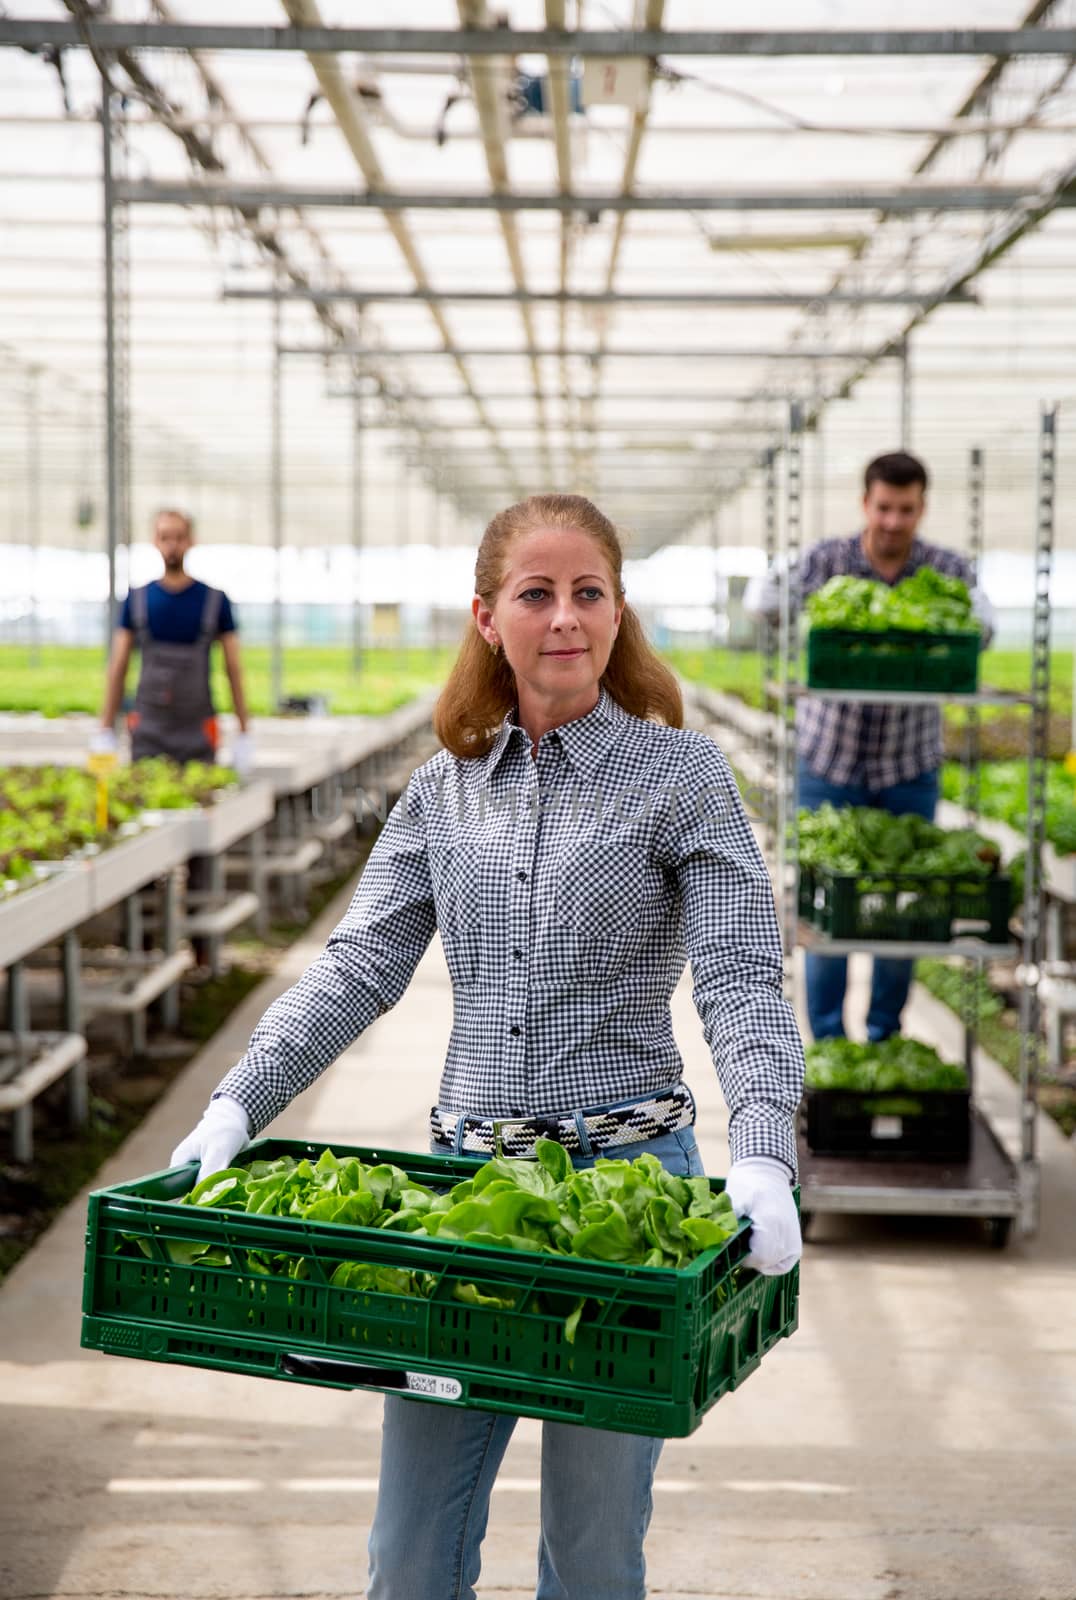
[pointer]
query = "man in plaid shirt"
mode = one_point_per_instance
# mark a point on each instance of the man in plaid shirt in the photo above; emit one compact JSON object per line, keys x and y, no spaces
{"x":869,"y":755}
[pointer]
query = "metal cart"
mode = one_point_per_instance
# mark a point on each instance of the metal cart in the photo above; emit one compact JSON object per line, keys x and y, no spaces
{"x":989,"y":1184}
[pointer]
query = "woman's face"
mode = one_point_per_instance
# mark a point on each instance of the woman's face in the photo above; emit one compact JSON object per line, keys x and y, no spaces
{"x":555,"y":617}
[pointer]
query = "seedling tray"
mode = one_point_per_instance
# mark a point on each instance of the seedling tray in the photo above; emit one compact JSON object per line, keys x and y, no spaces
{"x":905,"y":905}
{"x":654,"y":1350}
{"x":928,"y":1125}
{"x":942,"y":663}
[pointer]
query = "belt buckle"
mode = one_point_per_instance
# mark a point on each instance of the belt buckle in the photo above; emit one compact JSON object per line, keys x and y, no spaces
{"x":509,"y":1122}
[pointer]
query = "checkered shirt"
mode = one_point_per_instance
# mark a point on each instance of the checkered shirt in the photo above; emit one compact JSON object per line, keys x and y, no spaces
{"x":875,"y":746}
{"x":569,"y":891}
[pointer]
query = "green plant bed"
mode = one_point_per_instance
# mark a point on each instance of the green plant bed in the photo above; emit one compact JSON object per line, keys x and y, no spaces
{"x":72,"y":678}
{"x":998,"y":1030}
{"x":50,"y":813}
{"x":736,"y":672}
{"x":66,"y":1158}
{"x":1003,"y":794}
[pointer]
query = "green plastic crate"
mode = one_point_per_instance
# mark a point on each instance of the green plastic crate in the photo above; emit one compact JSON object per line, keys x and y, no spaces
{"x":939,"y":663}
{"x":905,"y":905}
{"x":655,"y":1349}
{"x":923,"y":1125}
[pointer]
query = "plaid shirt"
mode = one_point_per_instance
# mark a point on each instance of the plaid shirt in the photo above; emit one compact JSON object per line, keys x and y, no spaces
{"x":568,"y":891}
{"x":875,"y":746}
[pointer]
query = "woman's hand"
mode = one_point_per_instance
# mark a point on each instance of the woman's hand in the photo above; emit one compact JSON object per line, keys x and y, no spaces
{"x":759,"y":1187}
{"x":218,"y":1138}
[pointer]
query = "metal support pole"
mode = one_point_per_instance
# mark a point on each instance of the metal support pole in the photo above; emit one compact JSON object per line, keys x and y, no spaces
{"x":276,"y":510}
{"x":169,"y":944}
{"x":972,"y":972}
{"x":438,"y":515}
{"x":976,"y":496}
{"x":112,"y":485}
{"x":715,"y":545}
{"x":133,"y":928}
{"x":358,"y":510}
{"x":18,"y":1003}
{"x":770,"y":652}
{"x":33,"y":506}
{"x":905,"y":395}
{"x":787,"y":829}
{"x":1031,"y":1047}
{"x":72,"y":982}
{"x":259,"y":880}
{"x":78,"y":1091}
{"x":217,"y":897}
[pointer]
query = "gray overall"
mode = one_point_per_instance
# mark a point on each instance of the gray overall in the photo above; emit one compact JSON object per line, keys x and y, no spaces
{"x":173,"y":710}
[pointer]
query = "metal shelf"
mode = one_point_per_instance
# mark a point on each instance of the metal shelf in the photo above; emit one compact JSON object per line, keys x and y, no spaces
{"x":143,"y":979}
{"x":903,"y":697}
{"x":29,"y":1063}
{"x":990,"y":1184}
{"x":210,"y":919}
{"x":817,"y":944}
{"x":987,"y":1184}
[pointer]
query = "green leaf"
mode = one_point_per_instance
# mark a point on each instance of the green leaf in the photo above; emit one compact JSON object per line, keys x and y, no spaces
{"x":554,"y":1158}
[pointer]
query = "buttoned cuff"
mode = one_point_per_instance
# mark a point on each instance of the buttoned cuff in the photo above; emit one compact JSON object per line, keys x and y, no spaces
{"x":762,"y":1129}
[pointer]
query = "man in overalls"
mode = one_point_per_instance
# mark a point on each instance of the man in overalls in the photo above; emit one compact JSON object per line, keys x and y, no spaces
{"x":174,"y":621}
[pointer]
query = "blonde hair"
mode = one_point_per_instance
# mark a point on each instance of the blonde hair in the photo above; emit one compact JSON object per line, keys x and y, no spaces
{"x":481,"y":687}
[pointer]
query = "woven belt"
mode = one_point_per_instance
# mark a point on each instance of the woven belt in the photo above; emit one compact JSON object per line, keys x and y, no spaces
{"x":630,"y":1123}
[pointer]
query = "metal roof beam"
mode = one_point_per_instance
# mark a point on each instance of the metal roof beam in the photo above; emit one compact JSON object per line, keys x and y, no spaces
{"x":605,"y":42}
{"x":642,"y":396}
{"x":762,"y":298}
{"x":556,"y":352}
{"x":965,"y":128}
{"x":908,"y":198}
{"x":634,"y":430}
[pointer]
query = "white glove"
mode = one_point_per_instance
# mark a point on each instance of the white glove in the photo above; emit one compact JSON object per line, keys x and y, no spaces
{"x":243,"y":753}
{"x":103,"y":742}
{"x":759,"y":1188}
{"x":218,"y":1138}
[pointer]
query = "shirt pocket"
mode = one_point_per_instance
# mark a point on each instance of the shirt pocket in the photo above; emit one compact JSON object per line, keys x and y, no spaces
{"x":457,"y":898}
{"x":612,"y":898}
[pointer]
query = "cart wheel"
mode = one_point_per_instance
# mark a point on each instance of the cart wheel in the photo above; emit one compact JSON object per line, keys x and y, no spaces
{"x":806,"y":1218}
{"x":997,"y":1231}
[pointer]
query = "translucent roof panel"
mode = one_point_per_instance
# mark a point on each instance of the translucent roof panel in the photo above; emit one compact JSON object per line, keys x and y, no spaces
{"x":749,"y":230}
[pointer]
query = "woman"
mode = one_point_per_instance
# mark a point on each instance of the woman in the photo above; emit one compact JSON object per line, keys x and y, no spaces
{"x":571,"y":851}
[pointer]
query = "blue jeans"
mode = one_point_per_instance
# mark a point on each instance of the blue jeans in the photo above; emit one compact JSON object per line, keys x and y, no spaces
{"x":438,"y":1466}
{"x":827,"y":976}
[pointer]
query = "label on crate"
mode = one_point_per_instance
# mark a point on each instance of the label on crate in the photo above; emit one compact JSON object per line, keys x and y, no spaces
{"x":435,"y":1387}
{"x":887,"y":1127}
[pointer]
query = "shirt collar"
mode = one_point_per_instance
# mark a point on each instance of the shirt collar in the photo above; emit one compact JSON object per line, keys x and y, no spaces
{"x":585,"y":741}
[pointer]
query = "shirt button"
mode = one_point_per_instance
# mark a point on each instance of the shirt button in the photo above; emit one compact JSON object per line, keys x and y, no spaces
{"x":515,"y":1030}
{"x":518,"y":954}
{"x":521,"y":875}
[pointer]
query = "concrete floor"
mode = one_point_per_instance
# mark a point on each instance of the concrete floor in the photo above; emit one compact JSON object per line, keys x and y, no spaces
{"x":915,"y":1440}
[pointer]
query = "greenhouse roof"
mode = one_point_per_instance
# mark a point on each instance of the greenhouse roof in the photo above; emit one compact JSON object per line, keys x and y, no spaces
{"x":538,"y":265}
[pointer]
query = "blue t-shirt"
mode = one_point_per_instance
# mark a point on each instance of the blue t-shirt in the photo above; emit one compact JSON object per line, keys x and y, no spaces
{"x":176,"y":618}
